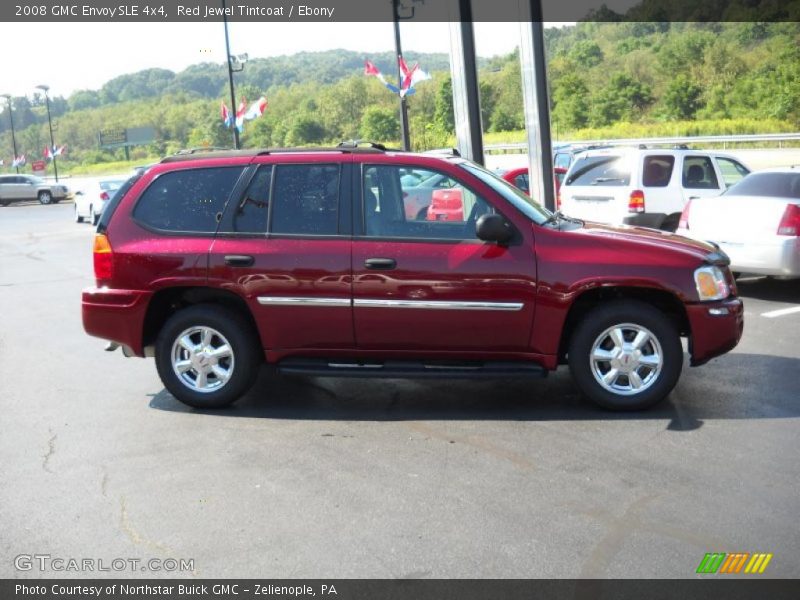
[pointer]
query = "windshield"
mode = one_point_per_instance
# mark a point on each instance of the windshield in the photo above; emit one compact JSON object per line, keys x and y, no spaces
{"x":604,"y":170}
{"x":531,"y":209}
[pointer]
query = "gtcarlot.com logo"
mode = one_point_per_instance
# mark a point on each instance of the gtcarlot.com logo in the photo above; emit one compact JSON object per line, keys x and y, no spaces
{"x":736,"y":562}
{"x":46,"y":562}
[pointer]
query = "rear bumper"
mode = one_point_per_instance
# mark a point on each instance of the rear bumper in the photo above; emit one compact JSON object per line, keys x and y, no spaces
{"x":781,"y":257}
{"x":716,"y":328}
{"x":116,"y":315}
{"x":651,"y":220}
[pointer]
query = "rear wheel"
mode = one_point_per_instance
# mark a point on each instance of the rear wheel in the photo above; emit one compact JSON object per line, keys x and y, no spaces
{"x":45,"y":197}
{"x":207,"y":356}
{"x":626,"y":355}
{"x":78,"y":217}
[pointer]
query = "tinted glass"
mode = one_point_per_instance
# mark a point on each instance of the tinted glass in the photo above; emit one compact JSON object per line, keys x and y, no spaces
{"x":657,"y":170}
{"x":775,"y":185}
{"x":252,"y":210}
{"x":521,"y":181}
{"x":189,"y":200}
{"x":444,"y":209}
{"x":110,"y":186}
{"x":732,"y":171}
{"x":306,"y":199}
{"x":116,"y":198}
{"x":698,"y":173}
{"x":600,"y":171}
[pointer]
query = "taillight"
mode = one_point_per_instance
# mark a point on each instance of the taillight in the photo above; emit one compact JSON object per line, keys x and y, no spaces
{"x":636,"y":202}
{"x":103,"y":195}
{"x":790,"y":222}
{"x":683,"y":223}
{"x":103,"y":258}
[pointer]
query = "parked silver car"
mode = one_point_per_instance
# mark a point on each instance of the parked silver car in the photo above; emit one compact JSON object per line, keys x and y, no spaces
{"x":756,"y":222}
{"x":15,"y":188}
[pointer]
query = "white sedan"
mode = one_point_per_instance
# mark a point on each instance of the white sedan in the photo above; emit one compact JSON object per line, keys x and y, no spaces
{"x":91,"y":199}
{"x":756,"y":222}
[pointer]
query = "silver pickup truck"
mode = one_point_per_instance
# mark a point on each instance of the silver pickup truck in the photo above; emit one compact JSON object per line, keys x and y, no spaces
{"x":15,"y":188}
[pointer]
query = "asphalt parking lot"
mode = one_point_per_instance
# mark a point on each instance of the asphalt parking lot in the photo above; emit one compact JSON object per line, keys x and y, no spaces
{"x":315,"y":477}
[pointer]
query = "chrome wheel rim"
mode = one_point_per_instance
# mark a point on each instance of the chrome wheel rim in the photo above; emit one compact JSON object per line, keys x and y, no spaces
{"x":44,"y":198}
{"x":626,"y":359}
{"x":202,"y":359}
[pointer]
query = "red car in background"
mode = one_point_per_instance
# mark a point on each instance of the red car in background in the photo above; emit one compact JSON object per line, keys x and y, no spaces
{"x":519,"y":178}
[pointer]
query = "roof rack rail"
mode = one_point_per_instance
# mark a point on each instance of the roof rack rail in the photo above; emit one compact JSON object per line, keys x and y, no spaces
{"x":443,"y":151}
{"x":201,"y":149}
{"x":356,"y":144}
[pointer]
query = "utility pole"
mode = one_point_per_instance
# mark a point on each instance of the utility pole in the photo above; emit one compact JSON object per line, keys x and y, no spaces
{"x":13,"y":136}
{"x":45,"y":88}
{"x":236,"y":144}
{"x":399,"y":53}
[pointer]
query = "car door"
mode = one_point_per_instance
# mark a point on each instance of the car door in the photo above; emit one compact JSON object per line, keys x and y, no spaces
{"x":284,"y":246}
{"x":431,"y":284}
{"x":18,"y":188}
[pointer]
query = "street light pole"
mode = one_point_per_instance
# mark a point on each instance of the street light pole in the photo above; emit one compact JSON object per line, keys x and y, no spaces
{"x":13,"y":136}
{"x":230,"y":76}
{"x":399,"y":53}
{"x":45,"y":89}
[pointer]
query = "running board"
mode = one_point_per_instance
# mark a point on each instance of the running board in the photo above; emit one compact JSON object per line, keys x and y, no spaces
{"x":400,"y":369}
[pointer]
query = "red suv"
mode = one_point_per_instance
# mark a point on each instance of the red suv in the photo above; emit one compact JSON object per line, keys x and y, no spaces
{"x":215,"y":263}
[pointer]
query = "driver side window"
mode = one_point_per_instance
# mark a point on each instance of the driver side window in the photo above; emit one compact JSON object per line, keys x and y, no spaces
{"x":408,"y":202}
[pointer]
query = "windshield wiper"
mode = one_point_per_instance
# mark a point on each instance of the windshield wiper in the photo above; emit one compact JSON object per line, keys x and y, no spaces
{"x":558,"y":216}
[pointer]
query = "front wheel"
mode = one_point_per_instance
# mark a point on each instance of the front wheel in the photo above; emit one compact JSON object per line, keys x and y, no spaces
{"x":45,"y":197}
{"x":625,"y":355}
{"x":207,"y":357}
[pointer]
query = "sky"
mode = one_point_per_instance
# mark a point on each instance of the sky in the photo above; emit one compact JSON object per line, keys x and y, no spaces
{"x":89,"y":54}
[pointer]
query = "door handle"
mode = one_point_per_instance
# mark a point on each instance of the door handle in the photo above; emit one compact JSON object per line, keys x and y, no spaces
{"x":380,"y":264}
{"x":239,"y":260}
{"x":694,"y":197}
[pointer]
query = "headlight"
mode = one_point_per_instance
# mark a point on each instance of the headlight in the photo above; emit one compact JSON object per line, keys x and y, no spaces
{"x":711,"y":284}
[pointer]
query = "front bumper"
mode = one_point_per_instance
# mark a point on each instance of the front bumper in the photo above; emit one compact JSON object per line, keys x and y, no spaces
{"x":116,"y":315}
{"x":716,"y":328}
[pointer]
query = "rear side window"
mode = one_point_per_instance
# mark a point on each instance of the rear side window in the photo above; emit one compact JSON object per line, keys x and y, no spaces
{"x":305,"y":199}
{"x":775,"y":185}
{"x":698,"y":173}
{"x":189,"y":201}
{"x":600,"y":171}
{"x":562,"y":159}
{"x":657,"y":170}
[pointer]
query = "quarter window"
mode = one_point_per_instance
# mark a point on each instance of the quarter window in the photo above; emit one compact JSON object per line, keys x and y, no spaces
{"x":190,"y":200}
{"x":306,"y":199}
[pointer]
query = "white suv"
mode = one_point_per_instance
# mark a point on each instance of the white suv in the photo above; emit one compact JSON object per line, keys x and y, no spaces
{"x":644,"y":187}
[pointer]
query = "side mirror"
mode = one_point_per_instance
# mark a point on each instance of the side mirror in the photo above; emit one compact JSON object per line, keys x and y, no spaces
{"x":79,"y":193}
{"x":493,"y":228}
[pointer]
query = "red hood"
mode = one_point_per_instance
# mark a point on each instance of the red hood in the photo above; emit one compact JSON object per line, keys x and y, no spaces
{"x":650,"y":238}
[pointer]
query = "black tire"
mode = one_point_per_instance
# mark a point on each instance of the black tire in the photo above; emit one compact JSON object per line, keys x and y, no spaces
{"x":78,"y":217}
{"x":671,"y":223}
{"x":638,"y":315}
{"x":45,"y":197}
{"x":247,"y":355}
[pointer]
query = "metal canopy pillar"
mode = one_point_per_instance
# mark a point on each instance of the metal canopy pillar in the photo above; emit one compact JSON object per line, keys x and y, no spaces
{"x":464,"y":73}
{"x":536,"y":105}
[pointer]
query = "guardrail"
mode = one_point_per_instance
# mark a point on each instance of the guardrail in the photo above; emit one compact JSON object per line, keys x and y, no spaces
{"x":778,"y":138}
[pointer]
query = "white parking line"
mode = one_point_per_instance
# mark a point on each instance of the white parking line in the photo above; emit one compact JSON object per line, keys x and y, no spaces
{"x":781,"y":312}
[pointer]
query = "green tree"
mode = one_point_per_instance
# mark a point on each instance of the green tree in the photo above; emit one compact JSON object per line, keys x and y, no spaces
{"x":380,"y":125}
{"x":682,"y":98}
